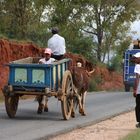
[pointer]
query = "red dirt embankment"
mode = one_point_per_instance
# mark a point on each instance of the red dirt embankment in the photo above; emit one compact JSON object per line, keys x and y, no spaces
{"x":12,"y":50}
{"x":110,"y":79}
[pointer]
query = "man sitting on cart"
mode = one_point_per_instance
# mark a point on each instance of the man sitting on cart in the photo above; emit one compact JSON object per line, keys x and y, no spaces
{"x":42,"y":99}
{"x":47,"y":59}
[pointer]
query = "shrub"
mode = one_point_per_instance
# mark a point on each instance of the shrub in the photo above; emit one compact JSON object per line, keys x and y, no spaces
{"x":93,"y":85}
{"x":115,"y":64}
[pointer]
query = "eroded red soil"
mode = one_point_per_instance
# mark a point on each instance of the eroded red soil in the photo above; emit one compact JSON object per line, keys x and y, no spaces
{"x":12,"y":50}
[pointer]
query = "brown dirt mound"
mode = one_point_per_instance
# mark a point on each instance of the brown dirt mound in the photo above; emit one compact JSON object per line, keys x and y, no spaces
{"x":12,"y":50}
{"x":79,"y":58}
{"x":110,"y":79}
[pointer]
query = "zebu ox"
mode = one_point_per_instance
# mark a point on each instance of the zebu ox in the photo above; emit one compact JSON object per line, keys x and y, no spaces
{"x":82,"y":71}
{"x":81,"y":78}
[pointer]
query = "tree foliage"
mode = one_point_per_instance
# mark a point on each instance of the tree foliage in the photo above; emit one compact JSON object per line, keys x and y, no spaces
{"x":90,"y":27}
{"x":106,"y":20}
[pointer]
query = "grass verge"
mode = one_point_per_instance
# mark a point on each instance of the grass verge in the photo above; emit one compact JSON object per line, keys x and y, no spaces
{"x":135,"y":135}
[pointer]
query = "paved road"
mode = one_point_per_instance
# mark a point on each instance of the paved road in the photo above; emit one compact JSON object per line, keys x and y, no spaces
{"x":28,"y":125}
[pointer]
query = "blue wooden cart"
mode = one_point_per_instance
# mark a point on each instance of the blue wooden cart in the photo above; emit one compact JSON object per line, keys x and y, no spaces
{"x":27,"y":77}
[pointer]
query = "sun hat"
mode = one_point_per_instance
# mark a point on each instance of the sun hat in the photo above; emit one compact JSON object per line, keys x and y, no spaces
{"x":137,"y":55}
{"x":48,"y":51}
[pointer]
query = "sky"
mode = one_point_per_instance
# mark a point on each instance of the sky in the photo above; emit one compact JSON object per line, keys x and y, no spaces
{"x":135,"y":27}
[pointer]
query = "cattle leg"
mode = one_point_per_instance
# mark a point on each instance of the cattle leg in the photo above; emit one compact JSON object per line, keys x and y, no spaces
{"x":78,"y":98}
{"x":41,"y":101}
{"x":46,"y":105}
{"x":80,"y":104}
{"x":73,"y":112}
{"x":83,"y":103}
{"x":80,"y":108}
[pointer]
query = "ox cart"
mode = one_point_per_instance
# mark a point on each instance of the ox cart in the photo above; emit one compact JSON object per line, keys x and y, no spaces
{"x":27,"y":77}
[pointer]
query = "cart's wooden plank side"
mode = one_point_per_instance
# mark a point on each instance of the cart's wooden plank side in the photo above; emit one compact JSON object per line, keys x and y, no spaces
{"x":25,"y":74}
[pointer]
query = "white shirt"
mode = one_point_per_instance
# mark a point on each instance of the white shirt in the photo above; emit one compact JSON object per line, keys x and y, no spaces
{"x":137,"y":70}
{"x":57,"y":44}
{"x":43,"y":61}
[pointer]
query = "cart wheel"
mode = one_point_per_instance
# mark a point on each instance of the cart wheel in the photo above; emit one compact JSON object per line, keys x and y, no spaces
{"x":67,"y":91}
{"x":11,"y":105}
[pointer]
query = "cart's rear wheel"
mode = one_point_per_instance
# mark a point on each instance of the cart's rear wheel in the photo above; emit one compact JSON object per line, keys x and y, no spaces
{"x":67,"y":90}
{"x":11,"y":105}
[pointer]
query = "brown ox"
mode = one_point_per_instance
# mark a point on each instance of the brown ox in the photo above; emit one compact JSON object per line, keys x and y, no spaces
{"x":81,"y":71}
{"x":81,"y":79}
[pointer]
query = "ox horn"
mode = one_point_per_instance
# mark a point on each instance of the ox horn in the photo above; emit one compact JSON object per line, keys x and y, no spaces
{"x":90,"y":72}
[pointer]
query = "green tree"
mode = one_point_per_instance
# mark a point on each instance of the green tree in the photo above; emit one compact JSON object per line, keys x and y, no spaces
{"x":22,"y":17}
{"x":104,"y":23}
{"x":67,"y":16}
{"x":106,"y":20}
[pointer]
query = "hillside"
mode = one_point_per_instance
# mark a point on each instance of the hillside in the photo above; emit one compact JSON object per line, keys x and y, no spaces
{"x":12,"y":50}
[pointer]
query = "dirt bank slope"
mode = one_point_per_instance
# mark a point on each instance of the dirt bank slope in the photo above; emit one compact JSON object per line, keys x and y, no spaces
{"x":12,"y":50}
